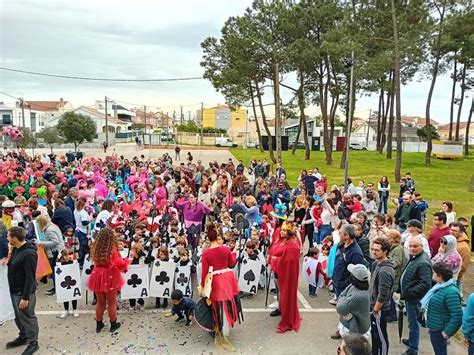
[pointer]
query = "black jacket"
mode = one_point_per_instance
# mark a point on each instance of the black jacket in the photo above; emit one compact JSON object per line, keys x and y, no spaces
{"x":63,"y":218}
{"x":22,"y":271}
{"x":69,"y":202}
{"x":416,"y":278}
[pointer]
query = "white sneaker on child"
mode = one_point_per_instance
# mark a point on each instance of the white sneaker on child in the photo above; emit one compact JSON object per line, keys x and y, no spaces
{"x":63,"y":315}
{"x":75,"y":313}
{"x":275,"y":304}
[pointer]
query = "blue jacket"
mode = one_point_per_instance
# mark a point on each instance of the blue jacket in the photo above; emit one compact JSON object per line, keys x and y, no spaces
{"x":3,"y":241}
{"x":285,"y":199}
{"x":63,"y":218}
{"x":69,"y":202}
{"x":468,"y":319}
{"x":345,"y":256}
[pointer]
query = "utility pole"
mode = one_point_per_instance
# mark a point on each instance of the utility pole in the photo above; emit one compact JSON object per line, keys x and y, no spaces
{"x":22,"y":112}
{"x":349,"y":123}
{"x":144,"y":109}
{"x":189,"y":116}
{"x":368,"y":128}
{"x":161,"y":130}
{"x":202,"y":122}
{"x":106,"y":123}
{"x":181,"y":117}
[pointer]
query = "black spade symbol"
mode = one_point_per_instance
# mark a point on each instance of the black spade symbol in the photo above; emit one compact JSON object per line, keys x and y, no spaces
{"x":162,"y":278}
{"x":68,"y":282}
{"x":182,"y":279}
{"x":134,"y":281}
{"x":249,"y":276}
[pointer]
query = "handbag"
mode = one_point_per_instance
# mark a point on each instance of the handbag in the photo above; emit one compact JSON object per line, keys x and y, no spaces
{"x":203,"y":315}
{"x":43,"y":268}
{"x":421,"y":318}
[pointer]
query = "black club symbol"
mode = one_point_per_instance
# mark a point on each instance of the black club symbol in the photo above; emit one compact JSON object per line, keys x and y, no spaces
{"x":157,"y":263}
{"x":162,"y":278}
{"x":134,"y":281}
{"x":89,"y":271}
{"x":182,"y":279}
{"x":68,"y":282}
{"x":58,"y":271}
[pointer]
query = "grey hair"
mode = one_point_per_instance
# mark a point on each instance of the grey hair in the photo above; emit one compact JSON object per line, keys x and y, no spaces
{"x":349,"y":230}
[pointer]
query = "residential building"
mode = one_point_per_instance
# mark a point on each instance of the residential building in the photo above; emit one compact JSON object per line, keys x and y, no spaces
{"x":443,"y":130}
{"x":222,"y":117}
{"x":115,"y":124}
{"x":291,"y":131}
{"x":359,"y":133}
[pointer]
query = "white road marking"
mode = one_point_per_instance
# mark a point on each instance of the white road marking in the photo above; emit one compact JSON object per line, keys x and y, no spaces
{"x":154,"y":311}
{"x":303,"y":301}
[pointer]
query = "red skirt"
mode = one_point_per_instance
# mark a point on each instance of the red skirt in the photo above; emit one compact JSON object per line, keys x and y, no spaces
{"x":105,"y":279}
{"x":225,"y":299}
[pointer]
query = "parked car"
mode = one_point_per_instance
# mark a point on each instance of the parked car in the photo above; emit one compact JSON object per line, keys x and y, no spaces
{"x":225,"y":142}
{"x":253,"y":145}
{"x":357,"y":146}
{"x":299,"y":145}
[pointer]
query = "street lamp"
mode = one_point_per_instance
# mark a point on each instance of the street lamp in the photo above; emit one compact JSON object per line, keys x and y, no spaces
{"x":348,"y":63}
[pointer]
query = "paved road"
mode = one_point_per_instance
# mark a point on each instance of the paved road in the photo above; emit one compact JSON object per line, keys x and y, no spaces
{"x":129,"y":150}
{"x":150,"y":332}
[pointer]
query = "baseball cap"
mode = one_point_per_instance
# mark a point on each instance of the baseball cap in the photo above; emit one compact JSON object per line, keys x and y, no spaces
{"x":414,"y":223}
{"x":8,"y":204}
{"x":359,"y":271}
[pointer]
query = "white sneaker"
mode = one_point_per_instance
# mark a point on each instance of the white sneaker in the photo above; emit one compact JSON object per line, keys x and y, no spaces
{"x":275,"y":304}
{"x":333,"y":301}
{"x":63,"y":315}
{"x":75,"y":313}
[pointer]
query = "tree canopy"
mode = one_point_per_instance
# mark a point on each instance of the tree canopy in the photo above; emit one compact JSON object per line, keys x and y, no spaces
{"x":77,"y":128}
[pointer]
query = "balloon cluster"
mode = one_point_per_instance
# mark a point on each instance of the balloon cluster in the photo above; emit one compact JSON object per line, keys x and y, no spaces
{"x":14,"y":133}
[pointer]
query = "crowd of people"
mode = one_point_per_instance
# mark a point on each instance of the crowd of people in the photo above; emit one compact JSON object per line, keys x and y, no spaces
{"x":116,"y":212}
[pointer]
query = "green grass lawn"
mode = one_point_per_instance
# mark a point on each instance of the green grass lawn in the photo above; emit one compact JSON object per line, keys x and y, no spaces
{"x":444,"y":180}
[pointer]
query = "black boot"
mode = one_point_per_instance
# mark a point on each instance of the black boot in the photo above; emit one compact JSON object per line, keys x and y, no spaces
{"x":31,"y":348}
{"x":17,"y":342}
{"x":157,"y":303}
{"x":114,"y":326}
{"x":99,"y":327}
{"x":165,"y":303}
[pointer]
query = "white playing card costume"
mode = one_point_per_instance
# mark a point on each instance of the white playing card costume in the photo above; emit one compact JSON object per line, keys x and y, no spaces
{"x":182,"y":279}
{"x":86,"y":272}
{"x":249,"y":275}
{"x":309,"y":271}
{"x":6,"y":308}
{"x":68,"y":282}
{"x":136,"y":283}
{"x":162,"y":279}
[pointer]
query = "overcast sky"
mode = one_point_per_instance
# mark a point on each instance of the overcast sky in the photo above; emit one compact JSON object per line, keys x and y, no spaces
{"x":137,"y":40}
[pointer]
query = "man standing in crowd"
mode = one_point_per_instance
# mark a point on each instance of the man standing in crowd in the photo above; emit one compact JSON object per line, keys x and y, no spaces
{"x":21,"y":279}
{"x":281,"y":195}
{"x":410,"y":182}
{"x":415,"y":282}
{"x":344,"y":212}
{"x":381,"y":281}
{"x":406,"y":210}
{"x":348,"y":252}
{"x":403,"y":189}
{"x":70,"y":201}
{"x":457,"y":230}
{"x":440,"y":229}
{"x":177,"y":150}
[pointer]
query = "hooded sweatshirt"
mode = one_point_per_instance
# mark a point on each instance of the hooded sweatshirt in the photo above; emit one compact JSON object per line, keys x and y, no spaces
{"x":381,"y":282}
{"x":465,"y":251}
{"x":451,"y":257}
{"x":22,"y":271}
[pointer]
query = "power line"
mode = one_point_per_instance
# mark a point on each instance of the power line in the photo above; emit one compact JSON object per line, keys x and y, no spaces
{"x":99,"y":79}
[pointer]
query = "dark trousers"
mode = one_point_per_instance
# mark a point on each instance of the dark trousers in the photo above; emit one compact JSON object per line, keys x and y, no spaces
{"x":312,"y":289}
{"x":379,"y":334}
{"x":83,"y":246}
{"x":74,"y":305}
{"x":383,"y":203}
{"x":413,"y":309}
{"x":439,"y":344}
{"x":470,"y":350}
{"x":25,"y":319}
{"x":52,"y":262}
{"x":392,"y":314}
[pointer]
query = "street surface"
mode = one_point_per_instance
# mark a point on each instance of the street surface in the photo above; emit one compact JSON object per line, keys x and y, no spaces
{"x":150,"y":332}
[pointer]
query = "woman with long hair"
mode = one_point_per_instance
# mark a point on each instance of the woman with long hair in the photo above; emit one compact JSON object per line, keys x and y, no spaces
{"x":106,"y":278}
{"x":283,"y":258}
{"x":224,"y":297}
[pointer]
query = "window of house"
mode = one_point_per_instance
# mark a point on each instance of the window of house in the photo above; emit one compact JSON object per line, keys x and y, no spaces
{"x":6,"y":119}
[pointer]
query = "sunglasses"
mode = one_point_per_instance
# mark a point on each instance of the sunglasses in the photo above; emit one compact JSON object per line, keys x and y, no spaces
{"x":444,"y":241}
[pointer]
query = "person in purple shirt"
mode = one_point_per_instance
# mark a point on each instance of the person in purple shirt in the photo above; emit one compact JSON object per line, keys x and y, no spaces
{"x":193,"y":212}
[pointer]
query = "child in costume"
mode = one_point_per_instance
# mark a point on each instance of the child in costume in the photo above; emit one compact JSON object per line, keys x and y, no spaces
{"x":136,"y":254}
{"x":314,"y":253}
{"x":68,"y":255}
{"x":163,"y":255}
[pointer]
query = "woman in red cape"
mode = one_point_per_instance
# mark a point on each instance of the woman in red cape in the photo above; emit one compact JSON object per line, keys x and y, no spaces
{"x":285,"y":262}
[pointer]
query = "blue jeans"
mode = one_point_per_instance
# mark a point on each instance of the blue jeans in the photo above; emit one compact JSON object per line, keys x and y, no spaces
{"x":392,"y":313}
{"x":413,"y":309}
{"x":383,"y":202}
{"x":439,"y":344}
{"x":312,"y":290}
{"x":470,"y":350}
{"x":323,"y":232}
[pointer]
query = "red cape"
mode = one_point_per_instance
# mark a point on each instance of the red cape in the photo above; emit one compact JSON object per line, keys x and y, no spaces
{"x":288,"y":267}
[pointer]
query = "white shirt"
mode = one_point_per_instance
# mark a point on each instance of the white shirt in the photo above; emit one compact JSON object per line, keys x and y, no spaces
{"x":79,"y":217}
